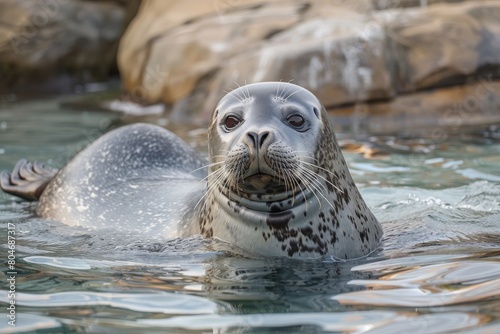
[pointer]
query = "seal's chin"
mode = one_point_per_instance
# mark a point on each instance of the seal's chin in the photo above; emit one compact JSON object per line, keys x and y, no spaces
{"x":261,"y":183}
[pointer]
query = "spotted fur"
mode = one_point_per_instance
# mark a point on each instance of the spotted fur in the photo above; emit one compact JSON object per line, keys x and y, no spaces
{"x":337,"y":223}
{"x":258,"y":196}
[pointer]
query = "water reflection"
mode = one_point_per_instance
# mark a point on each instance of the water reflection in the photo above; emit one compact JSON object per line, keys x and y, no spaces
{"x":429,"y":285}
{"x":438,"y":271}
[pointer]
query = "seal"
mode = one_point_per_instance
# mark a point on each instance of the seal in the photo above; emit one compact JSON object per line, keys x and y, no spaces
{"x":276,"y":182}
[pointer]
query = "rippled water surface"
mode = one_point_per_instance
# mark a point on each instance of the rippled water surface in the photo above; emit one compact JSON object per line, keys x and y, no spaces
{"x":438,"y":270}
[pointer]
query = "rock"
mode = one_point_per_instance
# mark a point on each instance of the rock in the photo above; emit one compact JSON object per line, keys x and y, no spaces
{"x":344,"y":52}
{"x":443,"y":44}
{"x":174,"y":44}
{"x":43,"y":40}
{"x":435,"y":113}
{"x":338,"y":58}
{"x":391,"y":4}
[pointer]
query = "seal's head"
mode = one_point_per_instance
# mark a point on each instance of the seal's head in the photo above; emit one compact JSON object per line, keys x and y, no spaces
{"x":261,"y":141}
{"x":278,"y":183}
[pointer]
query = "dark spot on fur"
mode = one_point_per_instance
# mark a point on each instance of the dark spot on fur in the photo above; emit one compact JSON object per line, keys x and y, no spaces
{"x":294,"y":248}
{"x":307,"y":231}
{"x":345,"y":196}
{"x":279,"y":220}
{"x":363,"y":235}
{"x":334,"y":238}
{"x":275,"y":207}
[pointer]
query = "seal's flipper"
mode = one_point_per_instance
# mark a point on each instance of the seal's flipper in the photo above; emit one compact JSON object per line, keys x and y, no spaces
{"x":28,"y":180}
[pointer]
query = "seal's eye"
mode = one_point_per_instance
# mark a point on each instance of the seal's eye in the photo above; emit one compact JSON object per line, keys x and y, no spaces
{"x":296,"y":121}
{"x":231,"y":122}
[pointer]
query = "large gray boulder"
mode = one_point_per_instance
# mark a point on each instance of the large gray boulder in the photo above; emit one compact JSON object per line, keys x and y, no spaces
{"x":186,"y":54}
{"x":44,"y":40}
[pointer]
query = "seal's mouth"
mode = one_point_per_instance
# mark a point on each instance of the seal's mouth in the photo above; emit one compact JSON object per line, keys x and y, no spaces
{"x":260,"y":180}
{"x":261,"y":183}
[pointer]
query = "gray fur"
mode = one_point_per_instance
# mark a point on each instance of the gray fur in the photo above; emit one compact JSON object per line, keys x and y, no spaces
{"x":138,"y":177}
{"x":273,"y":188}
{"x":329,"y":218}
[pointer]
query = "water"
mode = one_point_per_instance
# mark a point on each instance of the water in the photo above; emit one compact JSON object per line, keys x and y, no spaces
{"x":438,"y":272}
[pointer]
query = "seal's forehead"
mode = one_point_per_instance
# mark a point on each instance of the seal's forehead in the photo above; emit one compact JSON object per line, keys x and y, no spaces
{"x":278,"y":91}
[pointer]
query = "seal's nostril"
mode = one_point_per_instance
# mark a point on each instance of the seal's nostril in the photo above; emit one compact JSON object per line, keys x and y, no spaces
{"x":262,"y":138}
{"x":258,"y":139}
{"x":253,"y":138}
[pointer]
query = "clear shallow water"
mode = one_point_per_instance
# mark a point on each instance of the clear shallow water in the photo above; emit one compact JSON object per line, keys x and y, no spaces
{"x":438,"y":271}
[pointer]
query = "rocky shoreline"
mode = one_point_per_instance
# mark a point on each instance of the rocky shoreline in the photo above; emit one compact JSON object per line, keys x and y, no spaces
{"x":369,"y":61}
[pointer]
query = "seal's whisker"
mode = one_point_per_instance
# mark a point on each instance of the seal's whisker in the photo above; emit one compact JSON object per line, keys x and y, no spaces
{"x":207,"y":166}
{"x":219,"y":156}
{"x":244,"y":90}
{"x":222,"y":175}
{"x":290,"y":95}
{"x":286,"y":172}
{"x":304,"y":158}
{"x":309,"y":186}
{"x":278,"y":90}
{"x":324,"y":196}
{"x":313,"y":176}
{"x":227,"y":181}
{"x":324,"y":179}
{"x":296,"y":179}
{"x":213,"y":174}
{"x":290,"y":183}
{"x":304,"y":151}
{"x":321,"y":168}
{"x":239,"y":171}
{"x":233,"y":95}
{"x":244,"y":98}
{"x":248,"y":91}
{"x":284,"y":91}
{"x":205,"y":195}
{"x":314,"y":184}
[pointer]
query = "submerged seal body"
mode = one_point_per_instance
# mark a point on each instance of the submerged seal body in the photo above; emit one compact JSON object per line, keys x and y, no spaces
{"x":277,"y":183}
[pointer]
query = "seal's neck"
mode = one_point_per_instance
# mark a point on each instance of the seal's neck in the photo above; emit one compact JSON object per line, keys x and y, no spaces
{"x":268,"y":209}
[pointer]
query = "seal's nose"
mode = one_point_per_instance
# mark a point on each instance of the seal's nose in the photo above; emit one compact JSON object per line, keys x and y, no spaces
{"x":258,"y":139}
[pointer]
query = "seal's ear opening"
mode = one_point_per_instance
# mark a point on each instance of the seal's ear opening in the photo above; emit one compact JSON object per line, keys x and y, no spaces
{"x":316,"y":112}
